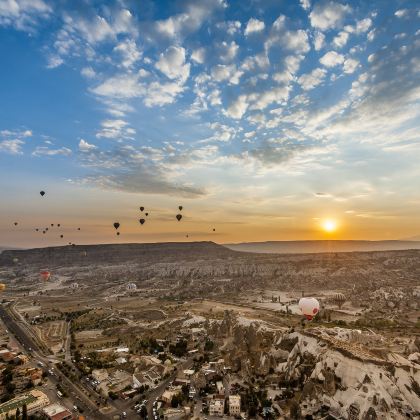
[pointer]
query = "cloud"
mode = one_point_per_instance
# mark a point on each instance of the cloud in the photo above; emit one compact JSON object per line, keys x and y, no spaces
{"x":84,"y":146}
{"x":45,"y":151}
{"x":311,"y":80}
{"x":54,"y":62}
{"x":196,"y":13}
{"x":319,"y":40}
{"x":291,"y":40}
{"x":331,"y":59}
{"x":144,"y":170}
{"x":253,"y":26}
{"x":115,"y":129}
{"x":350,"y":65}
{"x":341,"y":39}
{"x":23,"y":14}
{"x":401,"y":13}
{"x":88,"y":72}
{"x":306,"y":4}
{"x":129,"y":52}
{"x":12,"y":147}
{"x":172,"y":64}
{"x":328,"y":15}
{"x":228,"y":51}
{"x":223,"y":72}
{"x":199,"y":55}
{"x":238,"y":107}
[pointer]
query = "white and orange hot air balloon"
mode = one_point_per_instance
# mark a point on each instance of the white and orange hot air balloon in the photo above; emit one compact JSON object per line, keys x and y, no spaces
{"x":309,"y":307}
{"x":45,"y":275}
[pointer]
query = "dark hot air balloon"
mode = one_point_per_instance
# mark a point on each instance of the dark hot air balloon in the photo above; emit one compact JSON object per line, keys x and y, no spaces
{"x":59,"y":225}
{"x":180,"y":208}
{"x":78,"y":228}
{"x":42,"y":193}
{"x":116,"y":225}
{"x":141,"y":208}
{"x":178,"y":217}
{"x":146,"y":214}
{"x":43,"y":232}
{"x":16,"y":223}
{"x":61,"y":236}
{"x":37,"y":229}
{"x":118,"y":233}
{"x":214,"y":230}
{"x":142,"y":221}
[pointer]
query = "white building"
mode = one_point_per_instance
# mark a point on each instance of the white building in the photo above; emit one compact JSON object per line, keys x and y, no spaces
{"x":217,"y":407}
{"x":234,"y":405}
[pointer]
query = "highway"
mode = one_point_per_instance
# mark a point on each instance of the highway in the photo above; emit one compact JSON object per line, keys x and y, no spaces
{"x":28,"y":343}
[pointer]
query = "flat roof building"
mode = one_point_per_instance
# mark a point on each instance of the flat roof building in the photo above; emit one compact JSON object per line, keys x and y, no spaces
{"x":34,"y":400}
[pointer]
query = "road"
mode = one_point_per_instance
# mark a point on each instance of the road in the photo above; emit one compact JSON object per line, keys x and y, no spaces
{"x":80,"y":399}
{"x":157,"y":392}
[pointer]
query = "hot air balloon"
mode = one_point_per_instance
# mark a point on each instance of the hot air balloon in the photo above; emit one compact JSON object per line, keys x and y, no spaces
{"x":58,"y":225}
{"x":339,"y":299}
{"x":42,"y":193}
{"x":52,"y":224}
{"x":61,"y":236}
{"x":178,"y":217}
{"x":141,"y":208}
{"x":180,"y":208}
{"x":116,"y":225}
{"x":37,"y":229}
{"x":214,"y":230}
{"x":146,"y":214}
{"x":2,"y":287}
{"x":78,"y":228}
{"x":45,"y":275}
{"x":16,"y":223}
{"x":46,"y":228}
{"x":43,"y":232}
{"x":118,"y":233}
{"x":142,"y":221}
{"x":309,"y":307}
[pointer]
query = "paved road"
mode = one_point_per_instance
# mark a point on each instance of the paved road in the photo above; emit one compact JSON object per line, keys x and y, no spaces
{"x":157,"y":392}
{"x":28,"y":342}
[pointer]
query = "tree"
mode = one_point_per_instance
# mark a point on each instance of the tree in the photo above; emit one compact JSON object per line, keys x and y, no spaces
{"x":143,"y":412}
{"x":17,"y":413}
{"x":24,"y":412}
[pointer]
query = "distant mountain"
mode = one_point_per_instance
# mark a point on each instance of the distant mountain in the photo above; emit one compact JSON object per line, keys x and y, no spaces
{"x":117,"y":253}
{"x":304,"y":247}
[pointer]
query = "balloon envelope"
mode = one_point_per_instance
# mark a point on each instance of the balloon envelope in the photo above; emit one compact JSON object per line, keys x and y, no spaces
{"x":178,"y":217}
{"x":45,"y":275}
{"x":141,"y":208}
{"x":180,"y":208}
{"x":116,"y":225}
{"x":42,"y":193}
{"x":142,"y":221}
{"x":309,"y":307}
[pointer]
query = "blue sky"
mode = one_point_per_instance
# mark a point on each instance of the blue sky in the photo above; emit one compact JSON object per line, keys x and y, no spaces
{"x":262,"y":117}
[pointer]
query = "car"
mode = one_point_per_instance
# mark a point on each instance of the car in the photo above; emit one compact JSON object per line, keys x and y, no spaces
{"x":123,"y":415}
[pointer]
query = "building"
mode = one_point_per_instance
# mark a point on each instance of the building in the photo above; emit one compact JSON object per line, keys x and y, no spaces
{"x":220,"y":387}
{"x":234,"y":405}
{"x":174,"y":414}
{"x":217,"y":407}
{"x":34,"y":400}
{"x":57,"y":412}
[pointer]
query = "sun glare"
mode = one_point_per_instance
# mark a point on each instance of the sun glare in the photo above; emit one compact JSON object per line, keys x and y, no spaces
{"x":329,"y":225}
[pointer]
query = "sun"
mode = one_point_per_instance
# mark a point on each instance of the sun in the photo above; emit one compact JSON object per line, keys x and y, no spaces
{"x":329,"y":225}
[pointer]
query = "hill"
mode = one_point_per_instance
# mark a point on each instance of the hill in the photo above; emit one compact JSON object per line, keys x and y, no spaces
{"x":311,"y":247}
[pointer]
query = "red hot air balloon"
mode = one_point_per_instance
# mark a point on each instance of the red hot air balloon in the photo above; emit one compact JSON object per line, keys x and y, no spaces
{"x":45,"y":275}
{"x":309,"y":307}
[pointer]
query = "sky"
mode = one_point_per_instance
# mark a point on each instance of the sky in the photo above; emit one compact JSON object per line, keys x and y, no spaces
{"x":262,"y":118}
